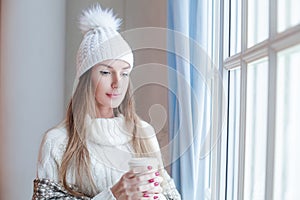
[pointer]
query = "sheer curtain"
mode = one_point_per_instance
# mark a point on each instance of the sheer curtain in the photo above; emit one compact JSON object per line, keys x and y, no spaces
{"x":190,"y":96}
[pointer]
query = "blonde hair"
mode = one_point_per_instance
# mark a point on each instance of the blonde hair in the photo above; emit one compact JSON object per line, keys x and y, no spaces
{"x":76,"y":158}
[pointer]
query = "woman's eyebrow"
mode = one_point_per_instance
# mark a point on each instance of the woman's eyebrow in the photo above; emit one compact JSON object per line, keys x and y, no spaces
{"x":109,"y":66}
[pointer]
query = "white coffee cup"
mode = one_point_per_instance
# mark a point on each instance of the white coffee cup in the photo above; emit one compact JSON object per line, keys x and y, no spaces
{"x":136,"y":164}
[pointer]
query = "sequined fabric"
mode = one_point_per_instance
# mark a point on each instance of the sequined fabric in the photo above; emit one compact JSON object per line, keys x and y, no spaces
{"x":45,"y":189}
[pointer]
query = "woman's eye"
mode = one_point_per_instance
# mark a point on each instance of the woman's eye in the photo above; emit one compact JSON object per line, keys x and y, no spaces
{"x":125,"y":74}
{"x":104,"y":72}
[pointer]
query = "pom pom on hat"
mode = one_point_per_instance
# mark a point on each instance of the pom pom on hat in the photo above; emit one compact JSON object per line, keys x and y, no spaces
{"x":101,"y":40}
{"x":96,"y":17}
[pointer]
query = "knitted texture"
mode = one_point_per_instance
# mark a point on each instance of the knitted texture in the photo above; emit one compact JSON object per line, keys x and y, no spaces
{"x":101,"y":40}
{"x":108,"y":163}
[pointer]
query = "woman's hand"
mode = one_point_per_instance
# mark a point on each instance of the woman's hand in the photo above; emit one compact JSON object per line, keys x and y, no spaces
{"x":134,"y":185}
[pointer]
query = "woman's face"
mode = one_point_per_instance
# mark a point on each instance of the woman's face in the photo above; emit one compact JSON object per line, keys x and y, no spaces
{"x":110,"y":80}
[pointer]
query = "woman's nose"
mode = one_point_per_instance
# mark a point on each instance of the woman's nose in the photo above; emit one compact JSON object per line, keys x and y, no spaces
{"x":116,"y":82}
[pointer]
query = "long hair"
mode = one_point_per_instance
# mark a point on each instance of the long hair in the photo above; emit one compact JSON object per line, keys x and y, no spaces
{"x":76,"y":159}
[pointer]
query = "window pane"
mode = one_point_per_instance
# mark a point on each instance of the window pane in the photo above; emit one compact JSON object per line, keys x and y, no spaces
{"x":235,"y":28}
{"x":256,"y":129}
{"x":258,"y":21}
{"x":288,"y":14}
{"x":233,"y":133}
{"x":226,"y":22}
{"x":287,"y":162}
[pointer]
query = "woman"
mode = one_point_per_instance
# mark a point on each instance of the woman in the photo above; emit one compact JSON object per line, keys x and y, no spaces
{"x":87,"y":155}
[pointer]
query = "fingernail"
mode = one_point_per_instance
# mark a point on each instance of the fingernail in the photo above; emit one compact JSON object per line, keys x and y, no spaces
{"x":151,"y":180}
{"x":145,"y":195}
{"x":156,"y":184}
{"x":149,"y":167}
{"x":156,"y":173}
{"x":155,"y":197}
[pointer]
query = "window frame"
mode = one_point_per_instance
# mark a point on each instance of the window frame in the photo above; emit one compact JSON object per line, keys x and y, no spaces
{"x":276,"y":41}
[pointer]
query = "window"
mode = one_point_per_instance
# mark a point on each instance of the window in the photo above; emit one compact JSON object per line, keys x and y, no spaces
{"x":233,"y":139}
{"x":256,"y":129}
{"x":288,"y":14}
{"x":257,"y":24}
{"x":261,"y":59}
{"x":287,"y":164}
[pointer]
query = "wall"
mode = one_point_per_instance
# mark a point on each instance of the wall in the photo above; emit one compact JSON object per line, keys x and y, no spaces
{"x":1,"y":115}
{"x":150,"y":77}
{"x":32,"y":79}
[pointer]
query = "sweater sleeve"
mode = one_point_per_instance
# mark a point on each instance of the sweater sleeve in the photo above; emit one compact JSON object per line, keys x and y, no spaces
{"x":50,"y":155}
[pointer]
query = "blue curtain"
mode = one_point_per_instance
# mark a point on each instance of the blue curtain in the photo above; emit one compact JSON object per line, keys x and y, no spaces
{"x":189,"y":96}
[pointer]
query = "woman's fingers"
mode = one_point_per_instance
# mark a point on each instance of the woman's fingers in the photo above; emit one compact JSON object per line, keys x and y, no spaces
{"x":145,"y":196}
{"x":151,"y":179}
{"x":138,"y":186}
{"x":129,"y":175}
{"x":141,"y":196}
{"x":142,"y":179}
{"x":149,"y":187}
{"x":147,"y":176}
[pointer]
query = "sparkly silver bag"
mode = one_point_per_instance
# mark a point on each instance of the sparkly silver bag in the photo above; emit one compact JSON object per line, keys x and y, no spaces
{"x":45,"y":189}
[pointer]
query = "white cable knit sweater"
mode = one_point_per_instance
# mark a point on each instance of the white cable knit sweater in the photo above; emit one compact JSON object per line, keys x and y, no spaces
{"x":110,"y":150}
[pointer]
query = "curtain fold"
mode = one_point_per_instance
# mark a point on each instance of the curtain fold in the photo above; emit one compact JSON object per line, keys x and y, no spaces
{"x":189,"y":97}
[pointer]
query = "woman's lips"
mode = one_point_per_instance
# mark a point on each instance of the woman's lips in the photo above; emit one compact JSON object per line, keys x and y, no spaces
{"x":111,"y":95}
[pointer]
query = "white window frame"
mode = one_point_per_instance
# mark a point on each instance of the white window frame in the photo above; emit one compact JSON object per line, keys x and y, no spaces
{"x":268,"y":48}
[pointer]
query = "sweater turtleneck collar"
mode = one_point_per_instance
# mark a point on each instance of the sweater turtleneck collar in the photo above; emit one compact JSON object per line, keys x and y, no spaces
{"x":108,"y":131}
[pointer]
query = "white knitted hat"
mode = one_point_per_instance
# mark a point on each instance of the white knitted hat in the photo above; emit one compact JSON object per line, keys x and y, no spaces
{"x":101,"y":40}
